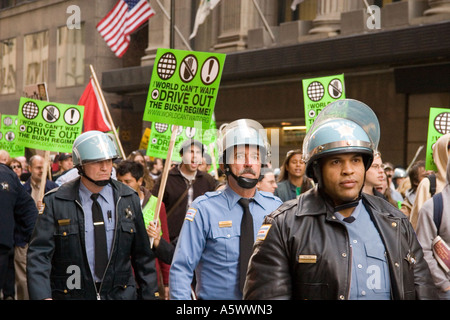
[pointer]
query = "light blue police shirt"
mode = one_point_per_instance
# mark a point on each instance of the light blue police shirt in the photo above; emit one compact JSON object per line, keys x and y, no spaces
{"x":209,"y":244}
{"x":106,"y":201}
{"x":370,"y":271}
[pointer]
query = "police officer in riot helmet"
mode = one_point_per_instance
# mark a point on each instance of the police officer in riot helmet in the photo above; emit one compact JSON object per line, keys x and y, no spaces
{"x":336,"y":242}
{"x":90,"y":241}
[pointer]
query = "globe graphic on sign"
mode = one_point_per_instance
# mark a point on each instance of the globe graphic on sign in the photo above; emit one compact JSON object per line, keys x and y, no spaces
{"x":161,"y":127}
{"x":316,"y":91}
{"x":166,"y":66}
{"x":30,"y":110}
{"x":442,"y":123}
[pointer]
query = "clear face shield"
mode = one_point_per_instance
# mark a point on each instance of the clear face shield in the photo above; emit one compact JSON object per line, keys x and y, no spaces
{"x":349,"y":110}
{"x":235,"y":136}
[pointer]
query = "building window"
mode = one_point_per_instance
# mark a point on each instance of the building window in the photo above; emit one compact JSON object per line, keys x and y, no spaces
{"x":70,"y":57}
{"x":8,"y":66}
{"x":35,"y":58}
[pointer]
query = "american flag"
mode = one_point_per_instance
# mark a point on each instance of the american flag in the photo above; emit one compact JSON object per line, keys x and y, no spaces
{"x":123,"y":20}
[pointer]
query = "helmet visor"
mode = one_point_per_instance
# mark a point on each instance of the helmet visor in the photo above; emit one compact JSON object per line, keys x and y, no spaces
{"x":348,"y":109}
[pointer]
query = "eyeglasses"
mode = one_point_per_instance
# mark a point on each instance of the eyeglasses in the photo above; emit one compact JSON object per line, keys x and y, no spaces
{"x":16,"y":167}
{"x":378,"y":166}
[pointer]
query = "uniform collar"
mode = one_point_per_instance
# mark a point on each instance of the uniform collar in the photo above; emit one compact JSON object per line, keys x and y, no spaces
{"x":232,"y":198}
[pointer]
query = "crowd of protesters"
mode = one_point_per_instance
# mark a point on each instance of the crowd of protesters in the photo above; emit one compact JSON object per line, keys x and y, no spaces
{"x":192,"y":179}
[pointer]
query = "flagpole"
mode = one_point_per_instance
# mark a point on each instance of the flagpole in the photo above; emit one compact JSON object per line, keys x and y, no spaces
{"x":173,"y":137}
{"x":174,"y":26}
{"x":105,"y":108}
{"x":264,"y":20}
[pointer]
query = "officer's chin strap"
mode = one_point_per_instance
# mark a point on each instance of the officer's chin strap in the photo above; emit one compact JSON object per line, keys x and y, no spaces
{"x":100,"y":183}
{"x":350,"y":204}
{"x":246,"y":183}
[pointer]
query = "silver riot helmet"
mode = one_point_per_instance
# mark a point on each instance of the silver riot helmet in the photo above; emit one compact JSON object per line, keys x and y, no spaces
{"x":242,"y":132}
{"x":93,"y":146}
{"x":344,"y":126}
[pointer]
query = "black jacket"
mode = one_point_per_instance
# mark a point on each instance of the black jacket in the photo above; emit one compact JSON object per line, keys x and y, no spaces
{"x":307,"y":227}
{"x":57,"y":264}
{"x":18,"y":212}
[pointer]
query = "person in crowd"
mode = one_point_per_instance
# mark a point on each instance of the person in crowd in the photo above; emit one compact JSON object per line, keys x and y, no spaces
{"x":292,"y":180}
{"x":156,"y":168}
{"x":4,"y":156}
{"x":267,"y":180}
{"x":205,"y":166}
{"x":65,"y":163}
{"x":433,"y":233}
{"x":184,"y":183}
{"x":16,"y":166}
{"x":220,"y":227}
{"x":138,"y":156}
{"x":18,"y":216}
{"x":416,"y":174}
{"x":374,"y":176}
{"x":399,"y":176}
{"x":33,"y":184}
{"x":428,"y":187}
{"x":337,"y":242}
{"x":90,"y":241}
{"x":384,"y":190}
{"x":131,"y":173}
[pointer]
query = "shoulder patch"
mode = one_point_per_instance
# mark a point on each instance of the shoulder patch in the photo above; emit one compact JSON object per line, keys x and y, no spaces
{"x":262,"y":233}
{"x":190,"y":214}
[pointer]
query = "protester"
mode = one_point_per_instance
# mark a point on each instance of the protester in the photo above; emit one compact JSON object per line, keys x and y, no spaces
{"x":18,"y":216}
{"x":217,"y":223}
{"x":65,"y":163}
{"x":184,"y":183}
{"x":416,"y":174}
{"x":292,"y":180}
{"x":131,"y":173}
{"x":16,"y":166}
{"x":139,"y":157}
{"x":267,"y":180}
{"x":428,"y":228}
{"x":33,"y":184}
{"x":91,"y":226}
{"x":426,"y":187}
{"x":155,"y":168}
{"x":337,"y":242}
{"x":4,"y":156}
{"x":398,"y":177}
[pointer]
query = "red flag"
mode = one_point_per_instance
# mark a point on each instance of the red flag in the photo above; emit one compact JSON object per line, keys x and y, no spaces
{"x":94,"y":114}
{"x":123,"y":20}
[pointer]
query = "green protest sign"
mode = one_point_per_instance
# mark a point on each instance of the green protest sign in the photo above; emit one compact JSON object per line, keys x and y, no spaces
{"x":48,"y":126}
{"x":183,"y":88}
{"x":438,"y":125}
{"x":319,"y":92}
{"x":148,"y":212}
{"x":8,"y":135}
{"x":161,"y":133}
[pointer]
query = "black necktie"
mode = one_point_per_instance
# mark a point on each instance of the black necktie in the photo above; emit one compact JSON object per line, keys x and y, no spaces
{"x":349,"y":219}
{"x":100,"y":248}
{"x":246,"y":240}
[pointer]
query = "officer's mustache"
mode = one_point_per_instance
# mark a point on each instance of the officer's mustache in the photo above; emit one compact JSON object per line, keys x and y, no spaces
{"x":247,"y":170}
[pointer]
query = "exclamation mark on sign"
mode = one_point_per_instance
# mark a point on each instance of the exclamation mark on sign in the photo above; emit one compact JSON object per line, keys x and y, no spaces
{"x":72,"y":113}
{"x":211,"y":64}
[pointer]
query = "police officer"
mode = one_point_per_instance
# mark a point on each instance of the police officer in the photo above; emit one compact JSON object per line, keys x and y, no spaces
{"x":90,"y":241}
{"x":211,"y":236}
{"x":336,"y":242}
